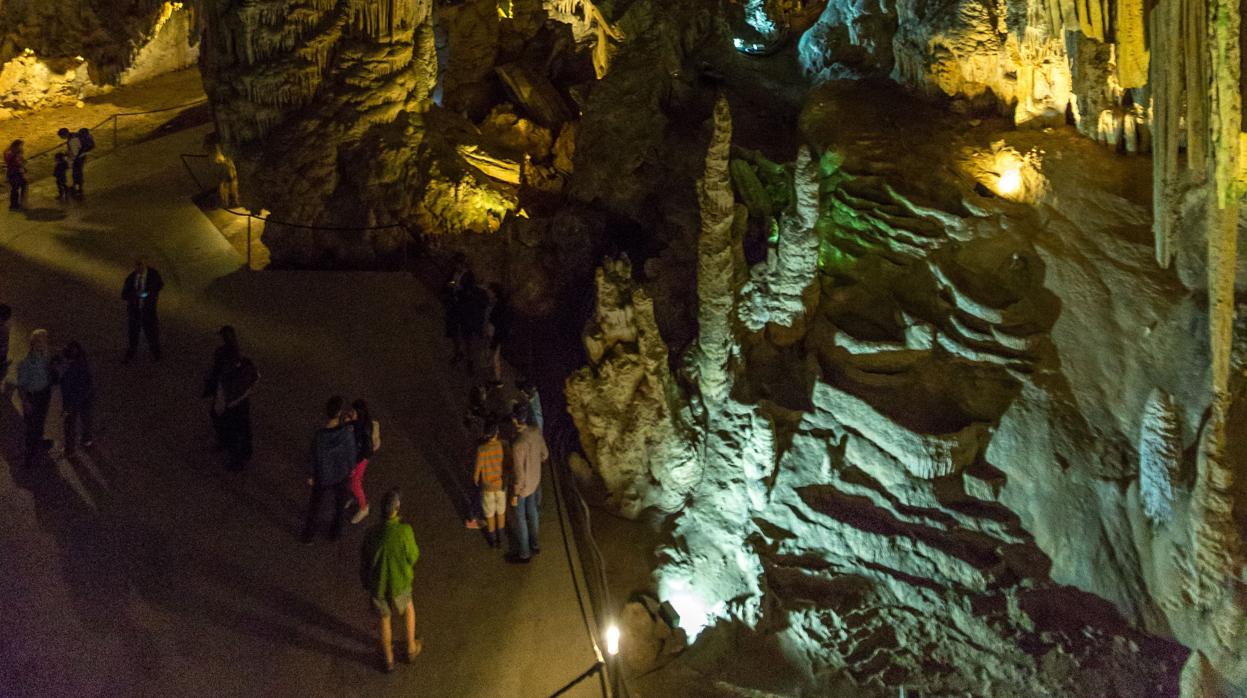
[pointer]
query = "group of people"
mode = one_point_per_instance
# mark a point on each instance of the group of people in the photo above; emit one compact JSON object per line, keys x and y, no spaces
{"x":38,"y":374}
{"x":506,"y":469}
{"x":71,"y":160}
{"x":478,"y":321}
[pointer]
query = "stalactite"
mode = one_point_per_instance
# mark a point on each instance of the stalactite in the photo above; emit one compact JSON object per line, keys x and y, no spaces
{"x":716,"y":285}
{"x":1091,"y":18}
{"x":1167,"y":78}
{"x":1195,"y":33}
{"x":1132,"y":55}
{"x":1226,"y":98}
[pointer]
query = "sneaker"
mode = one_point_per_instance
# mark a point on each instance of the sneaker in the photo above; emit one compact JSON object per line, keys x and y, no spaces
{"x":414,"y":651}
{"x":89,"y":443}
{"x":517,"y":560}
{"x":360,"y":515}
{"x":536,"y":549}
{"x":472,"y":524}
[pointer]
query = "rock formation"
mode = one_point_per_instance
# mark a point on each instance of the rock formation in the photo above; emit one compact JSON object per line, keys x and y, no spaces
{"x":873,"y":440}
{"x":902,"y":431}
{"x":56,"y":53}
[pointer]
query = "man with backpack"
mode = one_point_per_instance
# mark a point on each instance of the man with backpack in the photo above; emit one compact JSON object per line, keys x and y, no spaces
{"x":77,"y":145}
{"x":333,"y":457}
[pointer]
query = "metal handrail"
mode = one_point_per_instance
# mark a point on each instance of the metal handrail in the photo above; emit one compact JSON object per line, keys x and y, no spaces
{"x":269,"y":219}
{"x":114,"y":119}
{"x":608,"y":668}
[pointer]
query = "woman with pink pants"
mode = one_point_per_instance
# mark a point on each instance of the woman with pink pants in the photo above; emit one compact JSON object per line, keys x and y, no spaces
{"x":367,"y":442}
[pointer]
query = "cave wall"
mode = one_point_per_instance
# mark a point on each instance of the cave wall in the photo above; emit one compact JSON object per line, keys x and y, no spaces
{"x":321,"y":105}
{"x":898,"y":446}
{"x":55,"y":53}
{"x":1039,"y":61}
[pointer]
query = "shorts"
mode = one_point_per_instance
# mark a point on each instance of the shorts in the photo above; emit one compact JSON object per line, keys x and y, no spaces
{"x":494,"y":502}
{"x":398,"y":604}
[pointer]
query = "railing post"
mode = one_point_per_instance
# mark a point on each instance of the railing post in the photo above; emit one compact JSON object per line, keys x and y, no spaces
{"x":406,"y":248}
{"x":249,"y":216}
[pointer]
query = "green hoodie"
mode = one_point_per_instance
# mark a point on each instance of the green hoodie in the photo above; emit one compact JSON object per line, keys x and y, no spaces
{"x":386,"y":560}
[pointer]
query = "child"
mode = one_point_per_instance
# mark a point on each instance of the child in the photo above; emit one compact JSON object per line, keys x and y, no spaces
{"x":60,"y":172}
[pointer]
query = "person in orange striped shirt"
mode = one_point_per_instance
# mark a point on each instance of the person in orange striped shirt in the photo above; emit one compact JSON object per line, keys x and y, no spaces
{"x":488,"y":476}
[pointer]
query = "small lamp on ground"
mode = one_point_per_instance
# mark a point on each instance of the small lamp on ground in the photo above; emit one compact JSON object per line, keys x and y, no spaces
{"x":612,"y":639}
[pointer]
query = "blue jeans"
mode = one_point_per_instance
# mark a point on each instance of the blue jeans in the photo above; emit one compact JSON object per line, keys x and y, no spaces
{"x":527,"y":512}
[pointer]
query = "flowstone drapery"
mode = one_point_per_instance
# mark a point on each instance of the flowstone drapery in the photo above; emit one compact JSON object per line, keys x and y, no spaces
{"x":844,"y":503}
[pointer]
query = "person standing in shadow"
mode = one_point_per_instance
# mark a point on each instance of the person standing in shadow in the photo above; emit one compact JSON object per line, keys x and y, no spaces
{"x":141,"y":293}
{"x":233,"y":379}
{"x":35,"y":376}
{"x":77,"y":398}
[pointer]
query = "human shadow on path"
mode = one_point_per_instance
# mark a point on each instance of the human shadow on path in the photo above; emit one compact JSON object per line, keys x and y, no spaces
{"x":45,"y":215}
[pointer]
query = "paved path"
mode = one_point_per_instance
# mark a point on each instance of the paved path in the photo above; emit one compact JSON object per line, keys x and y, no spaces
{"x":146,"y":569}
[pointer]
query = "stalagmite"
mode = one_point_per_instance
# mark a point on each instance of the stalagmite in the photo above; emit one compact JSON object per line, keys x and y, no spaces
{"x":777,"y":295}
{"x":1160,"y":454}
{"x":716,"y":259}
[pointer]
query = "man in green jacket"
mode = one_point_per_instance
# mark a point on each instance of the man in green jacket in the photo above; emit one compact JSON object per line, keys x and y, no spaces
{"x":386,"y":567}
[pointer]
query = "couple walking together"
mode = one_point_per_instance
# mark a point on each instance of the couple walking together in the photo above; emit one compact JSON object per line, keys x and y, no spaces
{"x":341,"y":450}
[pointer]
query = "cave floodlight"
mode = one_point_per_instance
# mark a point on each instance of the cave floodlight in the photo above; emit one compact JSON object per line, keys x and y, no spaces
{"x":1010,"y":182}
{"x":612,"y":639}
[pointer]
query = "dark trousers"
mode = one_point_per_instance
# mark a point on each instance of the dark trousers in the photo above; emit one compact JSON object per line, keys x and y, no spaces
{"x":77,"y":416}
{"x":17,"y":191}
{"x":79,"y":163}
{"x":234,"y":431}
{"x":35,"y":417}
{"x":143,"y":320}
{"x":341,"y":495}
{"x":62,"y":189}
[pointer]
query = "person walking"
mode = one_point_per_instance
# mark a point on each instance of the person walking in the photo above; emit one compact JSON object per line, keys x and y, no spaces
{"x":35,"y":377}
{"x":528,"y":456}
{"x":141,"y":292}
{"x":77,"y":398}
{"x":387,"y":562}
{"x":488,"y":476}
{"x":231,"y":400}
{"x":367,"y":432}
{"x":333,"y":456}
{"x":15,"y":171}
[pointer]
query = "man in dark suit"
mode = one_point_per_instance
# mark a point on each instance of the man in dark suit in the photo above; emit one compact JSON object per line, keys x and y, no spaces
{"x":141,"y":292}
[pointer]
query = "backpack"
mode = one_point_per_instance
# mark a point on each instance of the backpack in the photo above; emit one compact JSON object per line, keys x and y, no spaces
{"x":376,"y":436}
{"x":86,"y":140}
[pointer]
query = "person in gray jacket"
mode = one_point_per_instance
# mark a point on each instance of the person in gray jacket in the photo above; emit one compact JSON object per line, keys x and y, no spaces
{"x":333,"y":456}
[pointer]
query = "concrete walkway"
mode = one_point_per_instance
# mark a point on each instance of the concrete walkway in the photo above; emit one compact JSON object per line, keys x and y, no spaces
{"x":146,"y":569}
